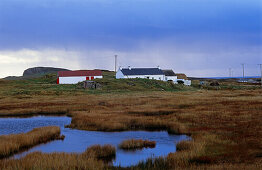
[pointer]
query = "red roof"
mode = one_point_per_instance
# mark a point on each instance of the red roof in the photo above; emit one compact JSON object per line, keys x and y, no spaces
{"x":79,"y":73}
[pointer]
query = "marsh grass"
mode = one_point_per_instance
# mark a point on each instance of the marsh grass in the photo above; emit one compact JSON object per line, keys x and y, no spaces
{"x":14,"y":143}
{"x":133,"y":144}
{"x":95,"y":157}
{"x":224,"y":124}
{"x":106,"y":152}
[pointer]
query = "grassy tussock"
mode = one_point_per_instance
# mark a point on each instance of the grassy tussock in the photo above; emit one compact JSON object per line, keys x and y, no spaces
{"x":101,"y":152}
{"x":184,"y":145}
{"x":133,"y":144}
{"x":11,"y":144}
{"x":91,"y":159}
{"x":115,"y":121}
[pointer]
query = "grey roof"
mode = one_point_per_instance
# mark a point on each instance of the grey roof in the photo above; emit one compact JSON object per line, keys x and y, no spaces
{"x":169,"y":73}
{"x":142,"y":71}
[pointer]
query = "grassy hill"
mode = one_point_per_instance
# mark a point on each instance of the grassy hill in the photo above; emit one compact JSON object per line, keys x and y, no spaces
{"x":46,"y":85}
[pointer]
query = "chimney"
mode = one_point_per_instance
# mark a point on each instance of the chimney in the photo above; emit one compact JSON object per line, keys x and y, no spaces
{"x":158,"y":67}
{"x":129,"y":67}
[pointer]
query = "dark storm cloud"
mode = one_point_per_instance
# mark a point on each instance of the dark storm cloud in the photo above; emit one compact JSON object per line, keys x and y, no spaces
{"x":120,"y":23}
{"x":177,"y":31}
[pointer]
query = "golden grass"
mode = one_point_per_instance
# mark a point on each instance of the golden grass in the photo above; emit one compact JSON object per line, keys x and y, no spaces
{"x":14,"y":143}
{"x":133,"y":144}
{"x":225,"y":125}
{"x":90,"y":159}
{"x":101,"y":152}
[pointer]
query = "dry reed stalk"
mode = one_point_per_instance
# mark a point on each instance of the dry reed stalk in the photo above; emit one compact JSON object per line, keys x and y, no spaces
{"x":133,"y":144}
{"x":11,"y":144}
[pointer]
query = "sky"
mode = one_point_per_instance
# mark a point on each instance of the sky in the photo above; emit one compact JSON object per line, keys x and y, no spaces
{"x":202,"y":38}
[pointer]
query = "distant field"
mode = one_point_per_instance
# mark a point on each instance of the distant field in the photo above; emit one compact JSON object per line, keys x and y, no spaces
{"x":225,"y":122}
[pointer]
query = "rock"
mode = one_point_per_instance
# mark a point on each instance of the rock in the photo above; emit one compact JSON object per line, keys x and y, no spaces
{"x":214,"y":83}
{"x":131,"y":84}
{"x":42,"y":70}
{"x":91,"y":85}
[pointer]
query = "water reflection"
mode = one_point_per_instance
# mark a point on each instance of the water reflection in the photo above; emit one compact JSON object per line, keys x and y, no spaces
{"x":78,"y":140}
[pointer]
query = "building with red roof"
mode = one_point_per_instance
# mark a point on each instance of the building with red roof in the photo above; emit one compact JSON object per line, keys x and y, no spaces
{"x":74,"y":77}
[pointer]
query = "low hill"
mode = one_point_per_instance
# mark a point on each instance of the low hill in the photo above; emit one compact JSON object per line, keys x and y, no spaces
{"x":42,"y":70}
{"x":36,"y":72}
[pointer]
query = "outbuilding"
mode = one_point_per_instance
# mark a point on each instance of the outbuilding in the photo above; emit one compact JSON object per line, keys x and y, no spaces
{"x":181,"y":77}
{"x":74,"y":77}
{"x":170,"y":76}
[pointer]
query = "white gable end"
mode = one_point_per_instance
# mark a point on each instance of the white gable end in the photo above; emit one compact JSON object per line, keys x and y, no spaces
{"x":119,"y":74}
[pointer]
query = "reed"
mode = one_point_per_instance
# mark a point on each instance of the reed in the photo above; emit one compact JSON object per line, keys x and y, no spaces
{"x":225,"y":124}
{"x":95,"y":157}
{"x":133,"y":144}
{"x":107,"y":152}
{"x":14,"y":143}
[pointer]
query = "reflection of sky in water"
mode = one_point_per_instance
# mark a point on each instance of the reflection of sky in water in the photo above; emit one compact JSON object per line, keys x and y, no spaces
{"x":79,"y":140}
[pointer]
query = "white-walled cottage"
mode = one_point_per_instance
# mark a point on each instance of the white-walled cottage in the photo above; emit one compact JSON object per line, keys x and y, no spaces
{"x":152,"y":73}
{"x":147,"y":73}
{"x":74,"y":77}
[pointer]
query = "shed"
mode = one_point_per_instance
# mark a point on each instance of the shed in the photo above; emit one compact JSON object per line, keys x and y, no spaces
{"x":181,"y":76}
{"x":74,"y":77}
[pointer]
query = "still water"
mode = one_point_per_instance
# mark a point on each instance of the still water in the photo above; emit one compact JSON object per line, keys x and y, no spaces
{"x":78,"y":140}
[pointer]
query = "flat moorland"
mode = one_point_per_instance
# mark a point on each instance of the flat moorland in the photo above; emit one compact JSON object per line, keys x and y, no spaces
{"x":225,"y":123}
{"x":14,"y":143}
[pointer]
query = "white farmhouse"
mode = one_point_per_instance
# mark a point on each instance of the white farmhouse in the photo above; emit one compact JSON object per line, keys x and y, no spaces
{"x":170,"y":76}
{"x":147,"y":73}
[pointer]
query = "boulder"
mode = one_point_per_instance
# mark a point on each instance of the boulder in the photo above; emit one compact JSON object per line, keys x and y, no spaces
{"x":91,"y":85}
{"x":214,"y":83}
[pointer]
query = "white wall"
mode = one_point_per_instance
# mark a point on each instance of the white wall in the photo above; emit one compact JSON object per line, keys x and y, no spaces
{"x":119,"y":74}
{"x":186,"y":82}
{"x":155,"y":77}
{"x":74,"y":80}
{"x":173,"y":78}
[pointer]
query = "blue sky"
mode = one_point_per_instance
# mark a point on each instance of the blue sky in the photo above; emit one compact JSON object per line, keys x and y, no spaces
{"x":197,"y":37}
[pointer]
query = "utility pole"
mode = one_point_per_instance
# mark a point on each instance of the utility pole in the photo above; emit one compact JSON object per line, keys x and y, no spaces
{"x":115,"y":62}
{"x":243,"y":66}
{"x":230,"y":72}
{"x":261,"y":73}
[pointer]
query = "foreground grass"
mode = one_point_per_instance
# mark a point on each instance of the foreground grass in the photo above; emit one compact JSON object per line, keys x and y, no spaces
{"x":92,"y":158}
{"x":133,"y":144}
{"x":11,"y":144}
{"x":225,"y":124}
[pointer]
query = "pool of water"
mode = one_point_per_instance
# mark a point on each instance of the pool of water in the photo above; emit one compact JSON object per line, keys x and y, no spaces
{"x":78,"y":140}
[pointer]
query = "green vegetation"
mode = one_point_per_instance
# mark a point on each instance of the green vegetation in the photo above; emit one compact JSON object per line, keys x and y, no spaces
{"x":46,"y":85}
